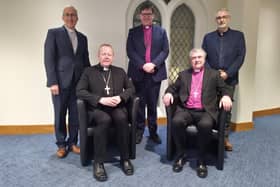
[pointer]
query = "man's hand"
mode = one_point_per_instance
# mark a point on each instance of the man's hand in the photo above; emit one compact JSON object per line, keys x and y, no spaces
{"x":54,"y":89}
{"x":223,"y":74}
{"x":149,"y":67}
{"x":168,"y":99}
{"x":110,"y":101}
{"x":226,"y":103}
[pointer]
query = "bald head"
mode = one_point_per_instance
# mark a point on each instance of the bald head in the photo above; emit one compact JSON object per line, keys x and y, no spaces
{"x":70,"y":16}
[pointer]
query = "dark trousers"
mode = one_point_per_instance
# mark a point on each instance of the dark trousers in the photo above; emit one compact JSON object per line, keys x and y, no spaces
{"x":184,"y":117}
{"x":148,"y":92}
{"x":66,"y":101}
{"x":102,"y":119}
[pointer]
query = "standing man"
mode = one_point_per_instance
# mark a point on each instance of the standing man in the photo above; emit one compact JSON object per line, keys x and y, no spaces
{"x":66,"y":55}
{"x":107,"y":89}
{"x":147,"y":48}
{"x":225,"y":50}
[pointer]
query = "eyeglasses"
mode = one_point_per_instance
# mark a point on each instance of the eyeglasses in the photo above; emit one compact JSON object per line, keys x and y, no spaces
{"x":222,"y":17}
{"x":70,"y":15}
{"x":146,"y":14}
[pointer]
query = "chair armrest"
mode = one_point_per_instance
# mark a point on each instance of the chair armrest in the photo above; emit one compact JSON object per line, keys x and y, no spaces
{"x":132,"y":107}
{"x":170,"y":146}
{"x":221,"y":137}
{"x":221,"y":121}
{"x":83,"y":117}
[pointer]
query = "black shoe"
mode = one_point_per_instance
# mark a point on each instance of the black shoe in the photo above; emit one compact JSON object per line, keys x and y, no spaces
{"x":99,"y":172}
{"x":155,"y":138}
{"x":139,"y":135}
{"x":127,"y":167}
{"x":201,"y":169}
{"x":179,"y":164}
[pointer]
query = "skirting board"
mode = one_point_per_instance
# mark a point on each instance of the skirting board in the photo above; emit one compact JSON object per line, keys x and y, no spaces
{"x":47,"y":129}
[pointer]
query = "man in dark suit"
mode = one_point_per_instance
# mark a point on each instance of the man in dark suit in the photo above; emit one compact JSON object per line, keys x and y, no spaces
{"x":147,"y":48}
{"x":107,"y":89}
{"x":66,"y":55}
{"x":197,"y":89}
{"x":225,"y":50}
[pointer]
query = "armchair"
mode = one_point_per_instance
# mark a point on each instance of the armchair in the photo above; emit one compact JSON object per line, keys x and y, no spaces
{"x":217,"y":143}
{"x":87,"y":131}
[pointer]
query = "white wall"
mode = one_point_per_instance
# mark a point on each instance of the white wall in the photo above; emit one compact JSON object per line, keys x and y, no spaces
{"x":24,"y":23}
{"x":268,"y":56}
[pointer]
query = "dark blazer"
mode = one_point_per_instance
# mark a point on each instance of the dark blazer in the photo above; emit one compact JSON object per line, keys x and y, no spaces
{"x":91,"y":85}
{"x":60,"y":61}
{"x":136,"y":52}
{"x":212,"y":85}
{"x":226,"y":52}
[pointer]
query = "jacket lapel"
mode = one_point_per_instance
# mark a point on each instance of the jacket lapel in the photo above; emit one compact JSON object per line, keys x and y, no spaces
{"x":67,"y":39}
{"x":189,"y":80}
{"x":205,"y":79}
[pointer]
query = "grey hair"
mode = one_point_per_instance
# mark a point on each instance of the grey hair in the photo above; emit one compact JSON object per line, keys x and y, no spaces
{"x":223,"y":10}
{"x":70,"y":6}
{"x":195,"y":50}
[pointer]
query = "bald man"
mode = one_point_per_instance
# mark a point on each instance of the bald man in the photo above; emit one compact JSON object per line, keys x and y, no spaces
{"x":66,"y":56}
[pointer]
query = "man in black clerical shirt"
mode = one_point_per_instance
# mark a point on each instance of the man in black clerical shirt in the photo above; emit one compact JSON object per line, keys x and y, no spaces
{"x":106,"y":88}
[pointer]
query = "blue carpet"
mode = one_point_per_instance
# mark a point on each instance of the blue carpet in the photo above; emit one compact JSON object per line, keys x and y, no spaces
{"x":31,"y":161}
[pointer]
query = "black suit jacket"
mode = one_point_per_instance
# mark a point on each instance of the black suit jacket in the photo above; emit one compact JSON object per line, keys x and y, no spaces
{"x":91,"y":85}
{"x":212,"y":86}
{"x":61,"y":62}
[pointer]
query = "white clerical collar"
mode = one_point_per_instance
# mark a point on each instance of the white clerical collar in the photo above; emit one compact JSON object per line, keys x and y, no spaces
{"x":105,"y":68}
{"x":147,"y":27}
{"x":197,"y":70}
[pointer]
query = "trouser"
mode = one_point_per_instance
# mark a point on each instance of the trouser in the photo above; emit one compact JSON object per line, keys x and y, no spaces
{"x":148,"y":92}
{"x":204,"y":123}
{"x":66,"y":101}
{"x":102,"y":119}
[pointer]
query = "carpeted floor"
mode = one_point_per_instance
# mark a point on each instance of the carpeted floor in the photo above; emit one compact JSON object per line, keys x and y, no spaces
{"x":30,"y":161}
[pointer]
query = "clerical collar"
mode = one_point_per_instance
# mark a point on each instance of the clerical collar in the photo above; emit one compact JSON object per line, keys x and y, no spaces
{"x":106,"y":68}
{"x":147,"y":27}
{"x":197,"y":70}
{"x":103,"y":68}
{"x":223,"y":33}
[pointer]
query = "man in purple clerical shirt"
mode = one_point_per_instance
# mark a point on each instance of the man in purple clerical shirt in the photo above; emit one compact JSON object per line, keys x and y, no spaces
{"x":147,"y":49}
{"x":197,"y":89}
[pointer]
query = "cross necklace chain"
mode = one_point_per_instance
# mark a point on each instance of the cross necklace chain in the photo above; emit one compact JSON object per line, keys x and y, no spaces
{"x":196,"y":87}
{"x":107,"y":88}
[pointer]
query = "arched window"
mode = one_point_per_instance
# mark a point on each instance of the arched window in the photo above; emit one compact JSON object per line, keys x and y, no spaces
{"x":136,"y":17}
{"x":181,"y":40}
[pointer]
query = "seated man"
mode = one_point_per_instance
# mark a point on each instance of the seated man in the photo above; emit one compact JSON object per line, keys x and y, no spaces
{"x":107,"y":89}
{"x":197,"y":89}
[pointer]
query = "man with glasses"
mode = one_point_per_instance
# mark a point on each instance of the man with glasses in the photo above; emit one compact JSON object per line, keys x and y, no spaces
{"x":225,"y":50}
{"x":66,"y":55}
{"x":147,"y":48}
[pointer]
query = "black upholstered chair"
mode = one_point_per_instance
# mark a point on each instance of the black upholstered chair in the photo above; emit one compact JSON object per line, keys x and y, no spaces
{"x":87,"y":131}
{"x":216,"y":146}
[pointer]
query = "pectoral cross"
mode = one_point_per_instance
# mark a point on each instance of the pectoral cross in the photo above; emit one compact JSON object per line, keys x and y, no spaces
{"x":107,"y":88}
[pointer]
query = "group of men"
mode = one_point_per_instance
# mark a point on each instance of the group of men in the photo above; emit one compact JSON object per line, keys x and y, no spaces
{"x":107,"y":88}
